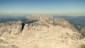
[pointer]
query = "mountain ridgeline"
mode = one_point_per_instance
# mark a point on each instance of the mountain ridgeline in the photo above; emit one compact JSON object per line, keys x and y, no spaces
{"x":40,"y":32}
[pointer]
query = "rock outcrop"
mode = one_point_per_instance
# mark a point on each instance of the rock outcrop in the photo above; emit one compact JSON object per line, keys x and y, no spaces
{"x":52,"y":21}
{"x":40,"y":32}
{"x":83,"y":31}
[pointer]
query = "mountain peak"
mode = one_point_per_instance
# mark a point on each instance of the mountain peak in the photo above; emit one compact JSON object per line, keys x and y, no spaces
{"x":39,"y":32}
{"x":51,"y":21}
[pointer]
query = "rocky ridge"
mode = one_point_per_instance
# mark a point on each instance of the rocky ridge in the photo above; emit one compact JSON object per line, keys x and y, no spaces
{"x":52,"y":21}
{"x":83,"y":31}
{"x":40,"y":32}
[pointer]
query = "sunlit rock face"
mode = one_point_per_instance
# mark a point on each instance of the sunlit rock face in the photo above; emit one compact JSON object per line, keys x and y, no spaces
{"x":40,"y":32}
{"x":10,"y":27}
{"x":8,"y":32}
{"x":52,"y":21}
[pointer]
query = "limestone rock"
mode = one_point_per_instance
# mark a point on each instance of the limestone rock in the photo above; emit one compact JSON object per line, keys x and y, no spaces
{"x":83,"y":31}
{"x":46,"y":20}
{"x":39,"y":32}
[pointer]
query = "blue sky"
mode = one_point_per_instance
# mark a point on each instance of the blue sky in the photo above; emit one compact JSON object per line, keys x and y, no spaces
{"x":58,"y":7}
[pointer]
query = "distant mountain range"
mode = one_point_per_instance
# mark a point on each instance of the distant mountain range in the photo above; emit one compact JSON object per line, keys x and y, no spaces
{"x":11,"y":18}
{"x":77,"y":20}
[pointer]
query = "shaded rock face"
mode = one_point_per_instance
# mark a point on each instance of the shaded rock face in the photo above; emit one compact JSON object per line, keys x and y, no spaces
{"x":23,"y":24}
{"x":9,"y":46}
{"x":83,"y":31}
{"x":39,"y":32}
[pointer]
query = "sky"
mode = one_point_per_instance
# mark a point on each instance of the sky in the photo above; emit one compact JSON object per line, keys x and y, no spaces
{"x":58,"y":7}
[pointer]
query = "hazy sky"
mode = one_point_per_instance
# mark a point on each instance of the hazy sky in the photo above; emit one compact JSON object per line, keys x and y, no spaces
{"x":58,"y":7}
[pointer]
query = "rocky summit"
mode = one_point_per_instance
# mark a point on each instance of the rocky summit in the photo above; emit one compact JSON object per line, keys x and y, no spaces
{"x":40,"y":32}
